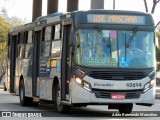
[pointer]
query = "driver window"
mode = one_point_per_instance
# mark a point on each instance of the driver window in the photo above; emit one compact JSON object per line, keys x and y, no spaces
{"x":78,"y":48}
{"x":92,"y":49}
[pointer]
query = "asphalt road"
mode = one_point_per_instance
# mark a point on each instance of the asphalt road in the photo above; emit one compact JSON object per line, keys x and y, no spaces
{"x":10,"y":104}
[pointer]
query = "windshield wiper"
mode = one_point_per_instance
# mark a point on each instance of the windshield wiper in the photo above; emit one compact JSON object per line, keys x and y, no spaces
{"x":131,"y":37}
{"x":105,"y":39}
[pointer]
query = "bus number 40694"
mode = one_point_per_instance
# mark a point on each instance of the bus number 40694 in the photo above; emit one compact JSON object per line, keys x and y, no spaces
{"x":133,"y":84}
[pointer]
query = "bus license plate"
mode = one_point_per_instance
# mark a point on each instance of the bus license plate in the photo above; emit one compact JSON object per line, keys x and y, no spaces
{"x":118,"y":96}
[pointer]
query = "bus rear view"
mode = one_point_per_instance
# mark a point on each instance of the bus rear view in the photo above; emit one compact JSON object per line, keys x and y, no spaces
{"x":114,"y":56}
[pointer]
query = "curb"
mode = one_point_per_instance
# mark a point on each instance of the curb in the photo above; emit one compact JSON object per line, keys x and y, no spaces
{"x":1,"y":86}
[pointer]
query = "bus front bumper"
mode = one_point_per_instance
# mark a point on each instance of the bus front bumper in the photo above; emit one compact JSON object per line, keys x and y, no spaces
{"x":79,"y":95}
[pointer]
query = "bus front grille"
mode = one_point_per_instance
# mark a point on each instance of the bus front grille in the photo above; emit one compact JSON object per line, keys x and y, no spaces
{"x":134,"y":94}
{"x":117,"y":75}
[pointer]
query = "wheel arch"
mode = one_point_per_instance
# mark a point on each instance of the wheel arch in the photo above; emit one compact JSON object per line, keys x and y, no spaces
{"x":55,"y":82}
{"x":20,"y":79}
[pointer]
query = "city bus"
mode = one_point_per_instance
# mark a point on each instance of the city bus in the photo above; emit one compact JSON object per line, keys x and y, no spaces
{"x":80,"y":58}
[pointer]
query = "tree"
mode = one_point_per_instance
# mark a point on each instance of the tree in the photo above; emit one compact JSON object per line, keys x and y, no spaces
{"x":145,"y":4}
{"x":158,"y":48}
{"x":15,"y":21}
{"x":4,"y":26}
{"x":154,"y":5}
{"x":155,"y":2}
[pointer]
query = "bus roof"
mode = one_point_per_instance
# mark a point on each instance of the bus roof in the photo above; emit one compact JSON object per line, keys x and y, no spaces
{"x":57,"y":17}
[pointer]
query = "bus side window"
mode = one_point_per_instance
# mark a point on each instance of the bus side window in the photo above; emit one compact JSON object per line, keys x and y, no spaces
{"x":53,"y":32}
{"x":18,"y":48}
{"x":30,"y":36}
{"x":28,"y":50}
{"x":29,"y":45}
{"x":25,"y":37}
{"x":46,"y":40}
{"x":56,"y":47}
{"x":21,"y":54}
{"x":56,"y":40}
{"x":20,"y":43}
{"x":45,"y":51}
{"x":47,"y":34}
{"x":57,"y":34}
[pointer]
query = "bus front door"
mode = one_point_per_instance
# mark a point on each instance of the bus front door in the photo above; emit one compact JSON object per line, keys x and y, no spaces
{"x":35,"y":65}
{"x":66,"y":70}
{"x":13,"y":55}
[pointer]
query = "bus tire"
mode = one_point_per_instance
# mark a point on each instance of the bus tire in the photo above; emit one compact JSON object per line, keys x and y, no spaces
{"x":5,"y":89}
{"x":24,"y":101}
{"x":125,"y":108}
{"x":61,"y":108}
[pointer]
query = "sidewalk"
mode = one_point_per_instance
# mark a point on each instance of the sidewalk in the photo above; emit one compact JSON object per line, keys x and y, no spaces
{"x":1,"y":86}
{"x":2,"y":92}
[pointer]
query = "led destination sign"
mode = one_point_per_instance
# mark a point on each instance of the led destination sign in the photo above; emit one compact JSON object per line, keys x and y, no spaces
{"x":119,"y":19}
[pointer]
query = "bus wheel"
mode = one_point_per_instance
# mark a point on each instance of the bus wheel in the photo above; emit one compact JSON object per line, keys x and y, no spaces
{"x":59,"y":106}
{"x":5,"y":89}
{"x":24,"y":101}
{"x":125,"y":108}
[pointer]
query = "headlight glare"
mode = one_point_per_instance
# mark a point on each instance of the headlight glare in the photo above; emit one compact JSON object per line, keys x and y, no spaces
{"x":83,"y":84}
{"x":79,"y":81}
{"x":153,"y":82}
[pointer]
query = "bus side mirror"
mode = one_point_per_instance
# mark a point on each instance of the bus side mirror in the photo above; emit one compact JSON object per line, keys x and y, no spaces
{"x":71,"y":39}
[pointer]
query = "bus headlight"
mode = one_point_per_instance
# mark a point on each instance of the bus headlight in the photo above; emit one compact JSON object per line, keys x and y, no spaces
{"x":83,"y":84}
{"x":79,"y":81}
{"x":149,"y":85}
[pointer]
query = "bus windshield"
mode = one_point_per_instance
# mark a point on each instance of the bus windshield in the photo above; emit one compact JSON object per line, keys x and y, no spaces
{"x":114,"y":49}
